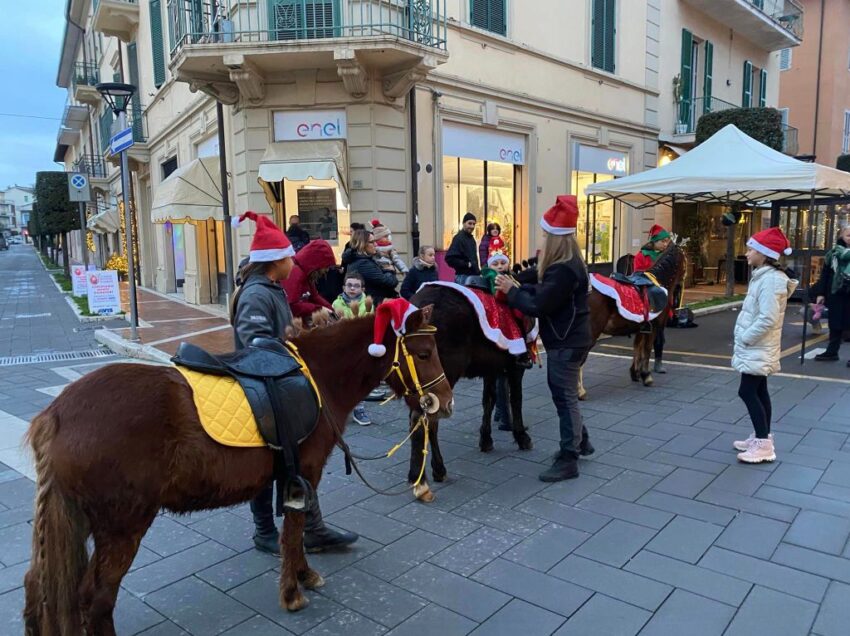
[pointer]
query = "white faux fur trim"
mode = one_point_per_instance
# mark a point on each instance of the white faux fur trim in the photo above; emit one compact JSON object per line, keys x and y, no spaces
{"x":404,"y":318}
{"x":610,"y":292}
{"x":516,"y":346}
{"x":560,"y":231}
{"x":762,"y":249}
{"x":267,"y":256}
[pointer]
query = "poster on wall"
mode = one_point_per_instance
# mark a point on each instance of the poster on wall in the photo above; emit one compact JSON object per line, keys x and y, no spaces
{"x":78,"y":280}
{"x":103,"y":292}
{"x":318,"y":213}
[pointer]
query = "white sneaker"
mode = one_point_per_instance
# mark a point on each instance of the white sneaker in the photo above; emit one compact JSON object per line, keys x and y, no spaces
{"x":744,"y":444}
{"x":759,"y":450}
{"x":360,"y":416}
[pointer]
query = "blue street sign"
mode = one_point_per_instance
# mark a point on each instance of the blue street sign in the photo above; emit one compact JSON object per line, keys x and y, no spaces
{"x":79,"y":181}
{"x":121,"y":141}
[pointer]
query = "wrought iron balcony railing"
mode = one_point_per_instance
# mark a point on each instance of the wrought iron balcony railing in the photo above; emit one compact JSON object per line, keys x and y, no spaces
{"x":91,"y":165}
{"x":224,"y":21}
{"x":86,"y":74}
{"x":690,"y":110}
{"x":786,"y":13}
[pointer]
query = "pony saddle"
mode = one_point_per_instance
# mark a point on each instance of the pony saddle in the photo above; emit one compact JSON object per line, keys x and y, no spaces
{"x":281,"y":398}
{"x":655,"y":295}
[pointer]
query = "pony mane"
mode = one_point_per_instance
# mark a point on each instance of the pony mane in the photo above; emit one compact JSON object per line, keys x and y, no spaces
{"x":666,"y":268}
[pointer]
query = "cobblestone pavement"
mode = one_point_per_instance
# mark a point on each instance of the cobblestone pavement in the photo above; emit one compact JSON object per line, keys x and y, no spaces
{"x":663,"y":533}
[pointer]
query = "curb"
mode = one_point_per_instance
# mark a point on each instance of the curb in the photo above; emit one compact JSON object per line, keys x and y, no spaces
{"x":76,"y":309}
{"x":716,"y":309}
{"x":130,"y":349}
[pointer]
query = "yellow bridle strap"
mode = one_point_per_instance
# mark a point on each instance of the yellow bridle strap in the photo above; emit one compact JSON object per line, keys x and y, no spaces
{"x":304,"y":369}
{"x":653,"y":279}
{"x":401,"y":352}
{"x":423,"y":421}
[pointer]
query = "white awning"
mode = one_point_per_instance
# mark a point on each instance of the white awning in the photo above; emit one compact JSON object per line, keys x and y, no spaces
{"x":300,"y":160}
{"x":105,"y":222}
{"x":190,"y":192}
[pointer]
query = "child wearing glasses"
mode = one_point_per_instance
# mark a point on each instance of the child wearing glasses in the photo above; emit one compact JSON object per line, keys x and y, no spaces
{"x":353,"y":303}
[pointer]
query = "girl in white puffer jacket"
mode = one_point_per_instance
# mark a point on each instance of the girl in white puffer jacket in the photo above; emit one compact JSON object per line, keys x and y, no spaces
{"x":758,"y":334}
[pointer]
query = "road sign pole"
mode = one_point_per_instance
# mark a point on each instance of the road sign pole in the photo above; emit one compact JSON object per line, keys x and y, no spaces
{"x":83,"y":247}
{"x":128,"y":233}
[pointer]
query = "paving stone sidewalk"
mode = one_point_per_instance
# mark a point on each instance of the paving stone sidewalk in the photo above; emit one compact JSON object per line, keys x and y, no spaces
{"x":663,"y":533}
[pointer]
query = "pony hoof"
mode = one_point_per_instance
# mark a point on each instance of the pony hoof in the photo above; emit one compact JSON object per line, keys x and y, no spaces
{"x":525,"y":444}
{"x":438,"y":477}
{"x":582,"y":395}
{"x":299,"y":602}
{"x":485,"y":446}
{"x":423,"y":493}
{"x":313,"y":580}
{"x":648,"y":381}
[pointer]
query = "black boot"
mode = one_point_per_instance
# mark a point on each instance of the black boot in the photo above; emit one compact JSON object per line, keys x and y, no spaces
{"x":826,"y":356}
{"x":564,"y":467}
{"x":524,"y":361}
{"x":585,"y":449}
{"x":317,"y":536}
{"x":266,"y":538}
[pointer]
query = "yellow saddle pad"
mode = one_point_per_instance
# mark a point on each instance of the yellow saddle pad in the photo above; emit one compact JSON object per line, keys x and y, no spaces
{"x":223,"y":409}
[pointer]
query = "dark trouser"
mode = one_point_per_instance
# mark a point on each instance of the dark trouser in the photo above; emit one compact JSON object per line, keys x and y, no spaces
{"x":753,"y":391}
{"x":659,"y":343}
{"x":503,"y":409}
{"x":835,"y":337}
{"x":262,"y":507}
{"x":562,"y":371}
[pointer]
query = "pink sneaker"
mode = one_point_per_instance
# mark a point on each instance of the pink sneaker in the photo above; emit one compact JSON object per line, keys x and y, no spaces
{"x":744,"y":444}
{"x":760,"y":450}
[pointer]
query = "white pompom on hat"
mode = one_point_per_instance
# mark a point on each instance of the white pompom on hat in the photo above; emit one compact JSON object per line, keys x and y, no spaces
{"x":269,"y":243}
{"x":391,"y":313}
{"x":771,"y":242}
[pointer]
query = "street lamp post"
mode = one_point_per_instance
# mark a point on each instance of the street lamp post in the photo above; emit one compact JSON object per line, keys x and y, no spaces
{"x":117,"y":97}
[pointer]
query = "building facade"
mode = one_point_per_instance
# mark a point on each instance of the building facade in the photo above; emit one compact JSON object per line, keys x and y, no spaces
{"x":412,"y":111}
{"x":15,"y":207}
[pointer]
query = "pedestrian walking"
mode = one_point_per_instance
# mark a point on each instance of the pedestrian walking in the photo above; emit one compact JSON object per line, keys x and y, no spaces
{"x":260,"y":310}
{"x":833,"y":290}
{"x":461,"y":255}
{"x":758,"y":335}
{"x":559,"y":301}
{"x":659,"y":239}
{"x":424,"y":270}
{"x":380,"y":284}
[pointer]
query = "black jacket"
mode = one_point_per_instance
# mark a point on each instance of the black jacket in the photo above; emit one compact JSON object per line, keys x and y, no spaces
{"x":838,"y":305}
{"x":560,"y":304}
{"x":462,"y":255}
{"x":298,"y":236}
{"x":418,"y":274}
{"x":261,"y":311}
{"x":380,"y":284}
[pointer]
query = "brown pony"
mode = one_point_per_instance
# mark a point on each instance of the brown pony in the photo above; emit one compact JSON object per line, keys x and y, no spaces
{"x":669,"y":270}
{"x":125,"y":441}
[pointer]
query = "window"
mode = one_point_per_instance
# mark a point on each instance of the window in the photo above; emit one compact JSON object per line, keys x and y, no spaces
{"x":785,"y":59}
{"x":783,"y":113}
{"x":845,"y":146}
{"x":304,"y":19}
{"x":168,"y":167}
{"x":490,"y":15}
{"x":602,"y":35}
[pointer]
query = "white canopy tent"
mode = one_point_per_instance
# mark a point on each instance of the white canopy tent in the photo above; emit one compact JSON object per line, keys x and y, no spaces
{"x":730,"y":167}
{"x":190,"y":192}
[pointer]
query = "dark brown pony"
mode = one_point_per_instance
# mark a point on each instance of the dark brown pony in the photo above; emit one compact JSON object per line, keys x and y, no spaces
{"x":125,"y":441}
{"x":464,"y":353}
{"x":669,"y":270}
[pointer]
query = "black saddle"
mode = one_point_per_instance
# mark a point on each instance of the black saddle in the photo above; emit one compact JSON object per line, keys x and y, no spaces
{"x":476,"y":282}
{"x":655,"y":295}
{"x":282,"y":399}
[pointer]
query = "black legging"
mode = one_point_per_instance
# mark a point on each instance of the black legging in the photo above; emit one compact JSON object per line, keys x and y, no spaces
{"x":659,"y":343}
{"x":753,"y":391}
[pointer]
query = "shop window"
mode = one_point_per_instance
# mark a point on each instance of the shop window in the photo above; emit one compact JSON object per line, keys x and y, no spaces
{"x":317,"y":211}
{"x":595,"y":231}
{"x":168,"y":167}
{"x":602,"y":34}
{"x":490,"y":15}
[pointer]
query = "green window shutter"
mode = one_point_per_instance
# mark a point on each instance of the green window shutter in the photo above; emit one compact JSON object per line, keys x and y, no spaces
{"x":304,"y":19}
{"x":135,"y":102}
{"x":763,"y":88}
{"x":105,"y":129}
{"x":157,"y":43}
{"x":602,"y":35}
{"x":685,"y":77}
{"x":707,"y":77}
{"x":747,"y":90}
{"x":490,"y":15}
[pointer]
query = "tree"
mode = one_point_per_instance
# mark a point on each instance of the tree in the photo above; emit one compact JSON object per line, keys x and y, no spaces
{"x":58,"y":214}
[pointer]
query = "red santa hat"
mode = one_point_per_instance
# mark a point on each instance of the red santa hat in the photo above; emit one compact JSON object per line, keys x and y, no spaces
{"x":391,"y":313}
{"x":562,"y":217}
{"x":270,"y":243}
{"x":770,"y":242}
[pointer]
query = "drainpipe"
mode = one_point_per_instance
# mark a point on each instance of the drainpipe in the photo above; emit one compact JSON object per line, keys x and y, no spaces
{"x":817,"y":86}
{"x":414,"y":185}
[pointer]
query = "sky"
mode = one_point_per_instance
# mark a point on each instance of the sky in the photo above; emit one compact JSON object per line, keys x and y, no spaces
{"x":29,"y":52}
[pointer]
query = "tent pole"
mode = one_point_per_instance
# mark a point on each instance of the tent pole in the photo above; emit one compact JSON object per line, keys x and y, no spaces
{"x":806,"y":276}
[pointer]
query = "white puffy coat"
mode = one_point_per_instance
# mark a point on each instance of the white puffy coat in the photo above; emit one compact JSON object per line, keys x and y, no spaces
{"x":758,"y":330}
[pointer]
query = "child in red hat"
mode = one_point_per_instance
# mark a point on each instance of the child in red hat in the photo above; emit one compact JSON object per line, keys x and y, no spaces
{"x":757,"y":341}
{"x":659,"y":239}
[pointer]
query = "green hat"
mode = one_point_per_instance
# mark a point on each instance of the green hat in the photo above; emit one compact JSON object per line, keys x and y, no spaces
{"x":657,"y":233}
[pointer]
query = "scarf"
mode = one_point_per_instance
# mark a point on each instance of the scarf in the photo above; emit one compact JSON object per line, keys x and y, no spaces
{"x":839,"y":258}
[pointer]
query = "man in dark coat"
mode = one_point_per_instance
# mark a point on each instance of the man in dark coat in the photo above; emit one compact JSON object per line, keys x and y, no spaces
{"x":462,"y":255}
{"x":298,"y":236}
{"x":828,"y":290}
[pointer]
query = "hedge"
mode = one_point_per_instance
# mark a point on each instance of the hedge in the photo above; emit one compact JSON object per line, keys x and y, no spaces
{"x":843,"y":163}
{"x":762,"y":124}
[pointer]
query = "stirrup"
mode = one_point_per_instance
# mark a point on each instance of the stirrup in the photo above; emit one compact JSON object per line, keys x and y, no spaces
{"x":296,"y":493}
{"x":646,"y":327}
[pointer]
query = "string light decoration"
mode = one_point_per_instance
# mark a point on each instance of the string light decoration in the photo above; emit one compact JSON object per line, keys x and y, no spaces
{"x":119,"y":262}
{"x":90,"y":244}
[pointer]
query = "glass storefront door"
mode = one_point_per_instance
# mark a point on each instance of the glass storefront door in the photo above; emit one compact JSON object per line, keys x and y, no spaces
{"x":596,"y":221}
{"x":484,"y":188}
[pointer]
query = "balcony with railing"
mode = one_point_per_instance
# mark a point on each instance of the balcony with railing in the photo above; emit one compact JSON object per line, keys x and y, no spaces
{"x":690,"y":110}
{"x":139,"y":151}
{"x":229,"y":47}
{"x":91,"y":165}
{"x":86,"y":77}
{"x":770,"y":24}
{"x":117,"y":18}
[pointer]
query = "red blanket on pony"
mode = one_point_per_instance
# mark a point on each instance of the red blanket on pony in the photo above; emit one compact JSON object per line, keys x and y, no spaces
{"x":496,"y":319}
{"x":631,"y":303}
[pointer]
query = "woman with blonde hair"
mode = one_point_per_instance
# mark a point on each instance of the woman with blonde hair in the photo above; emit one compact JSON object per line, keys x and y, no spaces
{"x":559,"y":301}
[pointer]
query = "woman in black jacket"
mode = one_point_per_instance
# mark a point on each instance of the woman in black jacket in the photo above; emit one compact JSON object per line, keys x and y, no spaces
{"x":380,"y":284}
{"x":424,"y":270}
{"x":837,"y":302}
{"x":559,"y":301}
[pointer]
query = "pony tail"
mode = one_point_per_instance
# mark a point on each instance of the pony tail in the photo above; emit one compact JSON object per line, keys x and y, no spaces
{"x":59,"y":557}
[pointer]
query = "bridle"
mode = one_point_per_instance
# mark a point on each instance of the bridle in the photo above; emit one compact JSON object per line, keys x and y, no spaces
{"x":402,"y":354}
